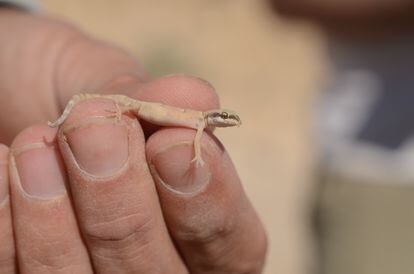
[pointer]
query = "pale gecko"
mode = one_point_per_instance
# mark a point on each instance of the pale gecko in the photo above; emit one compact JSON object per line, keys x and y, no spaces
{"x":162,"y":115}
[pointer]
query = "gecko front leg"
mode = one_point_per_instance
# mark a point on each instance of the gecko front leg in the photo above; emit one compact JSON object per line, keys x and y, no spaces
{"x":198,"y":160}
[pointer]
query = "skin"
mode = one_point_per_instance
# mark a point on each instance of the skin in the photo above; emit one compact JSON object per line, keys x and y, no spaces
{"x":105,"y":196}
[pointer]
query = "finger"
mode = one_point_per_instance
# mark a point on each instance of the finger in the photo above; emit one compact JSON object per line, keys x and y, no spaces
{"x":90,"y":65}
{"x":191,"y":92}
{"x":206,"y":210}
{"x":7,"y":252}
{"x":47,"y":236}
{"x":113,"y":193}
{"x":179,"y":90}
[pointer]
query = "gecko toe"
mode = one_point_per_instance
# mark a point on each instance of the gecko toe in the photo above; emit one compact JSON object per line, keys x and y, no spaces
{"x":198,"y":162}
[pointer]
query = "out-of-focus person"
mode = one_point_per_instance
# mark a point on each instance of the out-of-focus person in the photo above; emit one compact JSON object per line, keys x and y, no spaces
{"x":365,"y":131}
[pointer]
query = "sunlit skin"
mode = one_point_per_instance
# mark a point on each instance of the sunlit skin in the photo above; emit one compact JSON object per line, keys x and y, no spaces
{"x":118,"y":217}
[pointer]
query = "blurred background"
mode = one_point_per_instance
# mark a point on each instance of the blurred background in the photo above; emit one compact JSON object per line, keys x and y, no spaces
{"x":262,"y":66}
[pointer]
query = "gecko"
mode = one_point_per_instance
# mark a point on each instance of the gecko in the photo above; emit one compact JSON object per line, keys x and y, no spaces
{"x":162,"y":115}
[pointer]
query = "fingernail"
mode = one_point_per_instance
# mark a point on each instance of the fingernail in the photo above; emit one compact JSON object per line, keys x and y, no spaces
{"x":100,"y":149}
{"x":39,"y":170}
{"x":172,"y":168}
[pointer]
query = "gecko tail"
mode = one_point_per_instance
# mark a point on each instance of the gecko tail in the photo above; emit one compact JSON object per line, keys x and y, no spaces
{"x":53,"y":124}
{"x":59,"y":121}
{"x":75,"y":99}
{"x":63,"y":117}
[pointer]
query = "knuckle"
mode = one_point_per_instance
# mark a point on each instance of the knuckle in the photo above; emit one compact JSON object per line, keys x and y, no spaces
{"x":120,"y":232}
{"x":222,"y":245}
{"x":205,"y":231}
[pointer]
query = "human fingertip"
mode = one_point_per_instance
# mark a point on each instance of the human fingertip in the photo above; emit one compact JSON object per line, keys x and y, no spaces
{"x":182,"y":91}
{"x":36,"y":165}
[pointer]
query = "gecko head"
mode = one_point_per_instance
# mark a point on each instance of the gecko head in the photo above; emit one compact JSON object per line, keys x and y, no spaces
{"x":222,"y":118}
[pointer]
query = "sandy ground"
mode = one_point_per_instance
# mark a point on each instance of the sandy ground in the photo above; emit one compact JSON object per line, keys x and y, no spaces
{"x":262,"y":66}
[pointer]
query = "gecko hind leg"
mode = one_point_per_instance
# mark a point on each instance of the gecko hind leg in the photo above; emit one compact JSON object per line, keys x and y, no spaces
{"x":116,"y":114}
{"x":120,"y":108}
{"x":82,"y":97}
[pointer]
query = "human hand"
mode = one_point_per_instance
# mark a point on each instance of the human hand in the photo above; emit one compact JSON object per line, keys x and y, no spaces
{"x":83,"y":198}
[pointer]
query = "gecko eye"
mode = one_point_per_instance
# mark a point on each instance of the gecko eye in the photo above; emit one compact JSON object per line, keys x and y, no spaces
{"x":224,"y":115}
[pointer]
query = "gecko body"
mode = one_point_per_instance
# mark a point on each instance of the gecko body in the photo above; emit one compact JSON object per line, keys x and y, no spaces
{"x":162,"y":115}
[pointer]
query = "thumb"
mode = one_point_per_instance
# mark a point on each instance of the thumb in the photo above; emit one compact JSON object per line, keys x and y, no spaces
{"x":90,"y":65}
